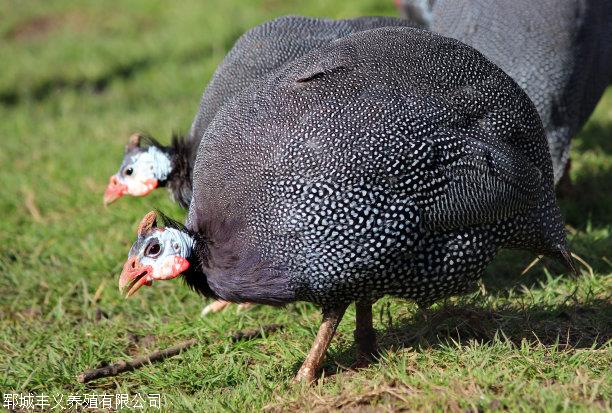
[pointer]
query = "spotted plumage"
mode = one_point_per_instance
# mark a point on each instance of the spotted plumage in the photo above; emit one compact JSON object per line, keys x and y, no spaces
{"x":255,"y":54}
{"x":267,"y":47}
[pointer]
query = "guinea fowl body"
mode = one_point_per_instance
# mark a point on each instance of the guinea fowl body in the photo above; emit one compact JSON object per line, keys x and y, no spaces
{"x":262,"y":50}
{"x":255,"y":54}
{"x":558,"y":51}
{"x":391,"y":161}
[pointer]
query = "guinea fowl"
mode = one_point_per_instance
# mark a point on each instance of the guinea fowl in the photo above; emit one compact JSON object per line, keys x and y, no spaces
{"x":147,"y":164}
{"x":391,"y":161}
{"x":558,"y":51}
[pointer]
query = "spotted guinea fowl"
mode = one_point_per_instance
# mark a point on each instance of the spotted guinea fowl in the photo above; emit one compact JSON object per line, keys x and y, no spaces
{"x":391,"y":161}
{"x":558,"y":51}
{"x":147,"y":164}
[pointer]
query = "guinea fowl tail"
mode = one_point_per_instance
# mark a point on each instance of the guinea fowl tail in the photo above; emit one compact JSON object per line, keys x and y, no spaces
{"x":569,"y":262}
{"x":564,"y":256}
{"x":543,"y":232}
{"x":554,"y":235}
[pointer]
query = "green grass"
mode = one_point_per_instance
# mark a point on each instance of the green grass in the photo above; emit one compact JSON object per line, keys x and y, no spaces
{"x":79,"y":77}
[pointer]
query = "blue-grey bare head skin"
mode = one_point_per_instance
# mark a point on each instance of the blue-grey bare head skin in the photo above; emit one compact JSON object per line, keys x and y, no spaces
{"x":146,"y":165}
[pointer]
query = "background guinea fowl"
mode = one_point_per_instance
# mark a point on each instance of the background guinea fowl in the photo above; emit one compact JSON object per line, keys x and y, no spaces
{"x":257,"y":53}
{"x":558,"y":51}
{"x":391,"y":161}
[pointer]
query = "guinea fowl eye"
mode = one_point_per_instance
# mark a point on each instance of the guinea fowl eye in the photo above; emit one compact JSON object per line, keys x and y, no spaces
{"x":129,"y":171}
{"x":153,"y":250}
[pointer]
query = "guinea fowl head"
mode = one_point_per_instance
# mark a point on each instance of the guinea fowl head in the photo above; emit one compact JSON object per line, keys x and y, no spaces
{"x":146,"y":165}
{"x":161,"y":252}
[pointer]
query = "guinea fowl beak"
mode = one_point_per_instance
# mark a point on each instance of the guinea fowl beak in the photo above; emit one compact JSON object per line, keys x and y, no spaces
{"x":134,"y":276}
{"x":114,"y":190}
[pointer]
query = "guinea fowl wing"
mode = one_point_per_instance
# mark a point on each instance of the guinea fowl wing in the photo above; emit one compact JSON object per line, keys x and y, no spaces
{"x":465,"y":170}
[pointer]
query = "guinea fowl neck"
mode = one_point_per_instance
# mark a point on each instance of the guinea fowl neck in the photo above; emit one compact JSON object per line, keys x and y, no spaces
{"x":194,"y":276}
{"x":182,"y":153}
{"x":223,"y":266}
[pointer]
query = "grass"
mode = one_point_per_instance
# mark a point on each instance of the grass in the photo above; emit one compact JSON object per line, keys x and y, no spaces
{"x":79,"y":77}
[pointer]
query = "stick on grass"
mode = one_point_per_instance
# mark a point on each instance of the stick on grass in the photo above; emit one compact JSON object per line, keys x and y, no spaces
{"x":123,"y":366}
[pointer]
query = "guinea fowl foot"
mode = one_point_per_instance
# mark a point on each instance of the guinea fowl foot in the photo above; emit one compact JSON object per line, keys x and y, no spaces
{"x":314,"y":359}
{"x":365,"y":335}
{"x":214,"y":307}
{"x":220,"y":305}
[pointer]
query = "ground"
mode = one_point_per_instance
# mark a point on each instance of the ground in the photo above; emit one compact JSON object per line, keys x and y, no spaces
{"x":79,"y":77}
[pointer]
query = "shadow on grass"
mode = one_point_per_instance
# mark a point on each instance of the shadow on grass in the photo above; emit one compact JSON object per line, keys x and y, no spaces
{"x":566,"y":326}
{"x":505,"y":273}
{"x":96,"y":85}
{"x":590,"y":200}
{"x":44,"y":89}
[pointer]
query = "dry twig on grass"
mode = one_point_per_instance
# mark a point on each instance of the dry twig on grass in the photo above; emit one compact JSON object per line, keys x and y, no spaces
{"x":158,"y":355}
{"x":123,"y":366}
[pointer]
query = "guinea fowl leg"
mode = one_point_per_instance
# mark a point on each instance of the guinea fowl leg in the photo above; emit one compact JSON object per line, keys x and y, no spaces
{"x":220,"y":305}
{"x":365,"y":335}
{"x":243,"y":306}
{"x":331,"y":319}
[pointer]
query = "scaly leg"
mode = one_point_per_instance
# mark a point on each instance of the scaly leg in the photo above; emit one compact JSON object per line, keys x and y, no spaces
{"x":365,"y":335}
{"x":331,"y":319}
{"x":220,"y":305}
